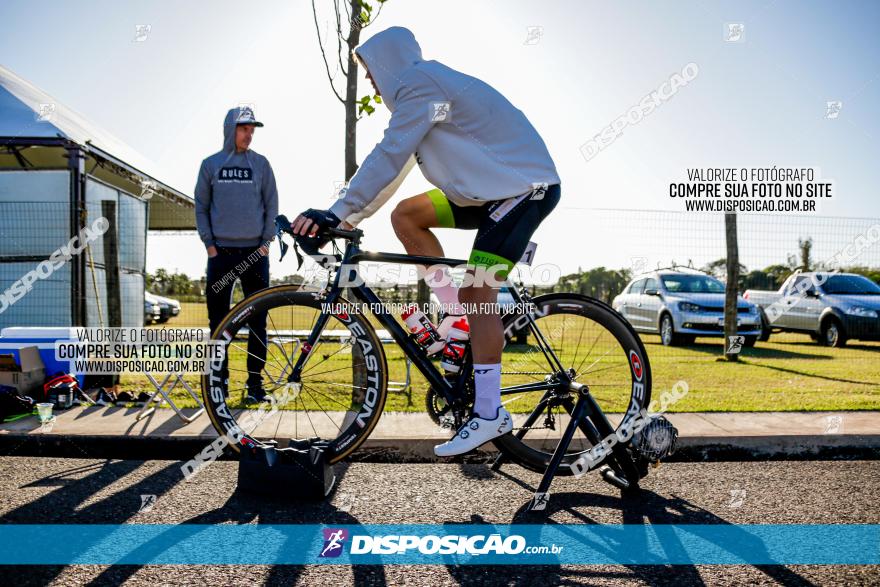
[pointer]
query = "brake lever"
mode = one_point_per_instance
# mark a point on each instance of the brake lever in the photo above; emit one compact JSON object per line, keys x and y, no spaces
{"x":282,"y":226}
{"x":282,"y":245}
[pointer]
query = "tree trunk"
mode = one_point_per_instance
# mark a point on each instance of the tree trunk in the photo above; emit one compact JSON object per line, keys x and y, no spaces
{"x":730,"y":311}
{"x":351,"y":83}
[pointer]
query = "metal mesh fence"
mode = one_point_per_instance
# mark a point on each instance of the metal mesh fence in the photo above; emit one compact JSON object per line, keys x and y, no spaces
{"x":791,"y":370}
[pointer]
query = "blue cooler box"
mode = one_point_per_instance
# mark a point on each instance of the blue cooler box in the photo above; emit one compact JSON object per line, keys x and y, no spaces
{"x":14,"y":338}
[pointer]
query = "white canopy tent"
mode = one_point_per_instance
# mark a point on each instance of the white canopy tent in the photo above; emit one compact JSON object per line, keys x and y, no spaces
{"x":59,"y":173}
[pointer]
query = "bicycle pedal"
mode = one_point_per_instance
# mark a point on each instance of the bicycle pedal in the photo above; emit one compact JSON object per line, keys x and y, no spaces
{"x":610,"y":476}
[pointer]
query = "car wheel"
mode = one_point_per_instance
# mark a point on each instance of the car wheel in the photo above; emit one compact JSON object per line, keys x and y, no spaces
{"x":765,"y":329}
{"x":750,"y":341}
{"x":832,"y":334}
{"x":667,"y":331}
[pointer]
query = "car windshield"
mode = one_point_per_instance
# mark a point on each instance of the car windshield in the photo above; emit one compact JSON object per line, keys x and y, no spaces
{"x":850,"y":284}
{"x":692,"y":284}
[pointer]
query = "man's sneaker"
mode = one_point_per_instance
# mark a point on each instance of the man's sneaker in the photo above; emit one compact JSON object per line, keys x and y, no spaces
{"x":104,"y":398}
{"x":255,"y":393}
{"x":475,"y":432}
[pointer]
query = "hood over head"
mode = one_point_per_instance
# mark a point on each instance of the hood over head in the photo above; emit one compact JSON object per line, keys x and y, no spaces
{"x":386,"y":55}
{"x":236,"y":116}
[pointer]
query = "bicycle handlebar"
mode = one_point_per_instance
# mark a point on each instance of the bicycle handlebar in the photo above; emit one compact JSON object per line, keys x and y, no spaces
{"x":310,"y":245}
{"x":352,"y":234}
{"x":282,"y":224}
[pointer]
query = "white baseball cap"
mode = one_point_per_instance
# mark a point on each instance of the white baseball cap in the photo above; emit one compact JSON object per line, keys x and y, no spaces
{"x":246,"y":116}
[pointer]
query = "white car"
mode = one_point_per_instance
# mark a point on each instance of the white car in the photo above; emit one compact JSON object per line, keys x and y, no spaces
{"x":168,"y":308}
{"x":682,"y":305}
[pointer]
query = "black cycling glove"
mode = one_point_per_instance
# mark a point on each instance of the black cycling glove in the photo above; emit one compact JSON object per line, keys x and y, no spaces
{"x":323,"y":218}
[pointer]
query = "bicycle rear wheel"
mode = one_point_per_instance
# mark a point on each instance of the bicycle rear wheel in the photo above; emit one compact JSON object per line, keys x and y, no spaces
{"x":342,"y":389}
{"x":596,"y":347}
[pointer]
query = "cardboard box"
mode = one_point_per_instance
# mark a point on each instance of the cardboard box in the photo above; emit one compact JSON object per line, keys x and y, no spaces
{"x":8,"y":364}
{"x":27,"y":375}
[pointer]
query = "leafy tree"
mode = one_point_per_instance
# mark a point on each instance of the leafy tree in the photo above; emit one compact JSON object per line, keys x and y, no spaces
{"x":805,"y":247}
{"x":351,"y":16}
{"x":718,"y":269}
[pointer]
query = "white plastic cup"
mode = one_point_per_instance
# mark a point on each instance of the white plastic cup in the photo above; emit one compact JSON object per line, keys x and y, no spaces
{"x":44,"y":411}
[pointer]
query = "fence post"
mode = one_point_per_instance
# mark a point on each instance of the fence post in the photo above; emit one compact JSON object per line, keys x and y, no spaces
{"x":77,"y":167}
{"x":730,"y":310}
{"x":112,"y":275}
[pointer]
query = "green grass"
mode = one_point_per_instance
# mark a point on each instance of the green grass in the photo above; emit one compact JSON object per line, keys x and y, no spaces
{"x":789,"y":373}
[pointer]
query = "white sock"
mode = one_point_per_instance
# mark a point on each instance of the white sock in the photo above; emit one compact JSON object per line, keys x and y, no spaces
{"x":443,"y":286}
{"x":487,"y":379}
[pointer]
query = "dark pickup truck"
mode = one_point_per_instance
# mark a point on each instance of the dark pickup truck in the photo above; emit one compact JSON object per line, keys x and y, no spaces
{"x":831,"y":307}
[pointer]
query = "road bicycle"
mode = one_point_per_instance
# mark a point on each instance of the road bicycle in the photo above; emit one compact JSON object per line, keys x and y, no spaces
{"x":564,"y":354}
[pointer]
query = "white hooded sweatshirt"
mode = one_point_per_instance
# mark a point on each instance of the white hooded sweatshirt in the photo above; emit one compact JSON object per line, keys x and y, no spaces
{"x":467,"y":138}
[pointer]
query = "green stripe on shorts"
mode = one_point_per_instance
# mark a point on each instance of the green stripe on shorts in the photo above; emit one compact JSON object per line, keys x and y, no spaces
{"x":445,"y":219}
{"x":486,"y":260}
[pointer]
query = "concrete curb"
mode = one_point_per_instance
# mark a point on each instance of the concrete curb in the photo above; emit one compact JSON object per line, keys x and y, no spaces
{"x":409,"y":450}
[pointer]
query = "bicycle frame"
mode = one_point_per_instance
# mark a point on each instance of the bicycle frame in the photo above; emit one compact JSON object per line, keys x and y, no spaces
{"x":451,"y":391}
{"x":585,"y":414}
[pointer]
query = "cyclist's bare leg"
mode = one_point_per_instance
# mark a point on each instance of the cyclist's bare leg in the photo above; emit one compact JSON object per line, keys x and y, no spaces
{"x":412,"y":220}
{"x":487,"y":334}
{"x":490,"y":420}
{"x":487,"y":341}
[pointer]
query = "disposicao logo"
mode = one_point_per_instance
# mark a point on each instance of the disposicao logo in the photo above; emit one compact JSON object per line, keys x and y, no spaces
{"x":333,"y":540}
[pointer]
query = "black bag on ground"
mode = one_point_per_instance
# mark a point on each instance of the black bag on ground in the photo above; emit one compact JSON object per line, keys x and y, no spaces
{"x":106,"y":381}
{"x":300,"y":471}
{"x":13,"y":403}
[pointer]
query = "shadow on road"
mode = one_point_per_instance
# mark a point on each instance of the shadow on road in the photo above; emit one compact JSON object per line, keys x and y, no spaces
{"x":65,"y":506}
{"x":74,"y":502}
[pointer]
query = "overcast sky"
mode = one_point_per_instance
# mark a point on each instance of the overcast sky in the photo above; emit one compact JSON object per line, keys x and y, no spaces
{"x":757,"y":102}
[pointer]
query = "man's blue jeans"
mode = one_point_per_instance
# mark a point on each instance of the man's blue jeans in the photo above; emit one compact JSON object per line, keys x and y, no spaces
{"x":245,"y":264}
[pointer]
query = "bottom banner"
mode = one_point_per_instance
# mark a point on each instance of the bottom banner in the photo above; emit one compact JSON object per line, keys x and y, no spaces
{"x":226,"y":544}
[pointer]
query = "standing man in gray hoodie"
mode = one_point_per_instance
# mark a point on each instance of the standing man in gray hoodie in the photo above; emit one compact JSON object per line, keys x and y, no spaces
{"x":492,"y":173}
{"x":236,"y":205}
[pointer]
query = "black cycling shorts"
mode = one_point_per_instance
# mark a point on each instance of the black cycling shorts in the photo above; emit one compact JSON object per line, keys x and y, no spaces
{"x":504,"y":227}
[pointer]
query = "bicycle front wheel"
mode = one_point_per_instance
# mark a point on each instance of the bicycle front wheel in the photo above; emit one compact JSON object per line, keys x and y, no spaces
{"x":342,"y":388}
{"x":596,"y":347}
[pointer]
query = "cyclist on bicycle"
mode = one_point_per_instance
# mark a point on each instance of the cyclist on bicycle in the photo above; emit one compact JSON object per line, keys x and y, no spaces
{"x":493,"y":173}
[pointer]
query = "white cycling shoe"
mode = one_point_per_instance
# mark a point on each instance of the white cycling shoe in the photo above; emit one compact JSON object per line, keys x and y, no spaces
{"x":475,"y":432}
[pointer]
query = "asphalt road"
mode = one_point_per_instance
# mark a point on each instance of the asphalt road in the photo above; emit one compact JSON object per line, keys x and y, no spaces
{"x":47,"y":490}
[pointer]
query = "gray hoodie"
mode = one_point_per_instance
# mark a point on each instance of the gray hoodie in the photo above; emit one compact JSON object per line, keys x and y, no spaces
{"x":481,"y":149}
{"x":236,"y":196}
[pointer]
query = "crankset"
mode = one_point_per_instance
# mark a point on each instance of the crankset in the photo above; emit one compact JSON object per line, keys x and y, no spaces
{"x":444,"y":415}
